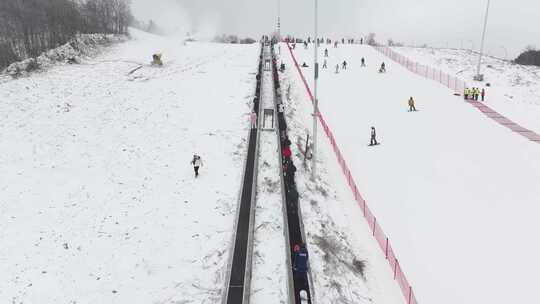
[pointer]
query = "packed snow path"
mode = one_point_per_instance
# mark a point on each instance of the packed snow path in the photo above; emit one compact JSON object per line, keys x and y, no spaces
{"x":456,"y":193}
{"x":238,"y":288}
{"x":98,"y":201}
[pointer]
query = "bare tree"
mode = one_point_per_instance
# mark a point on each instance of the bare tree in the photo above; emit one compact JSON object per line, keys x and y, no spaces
{"x":29,"y":27}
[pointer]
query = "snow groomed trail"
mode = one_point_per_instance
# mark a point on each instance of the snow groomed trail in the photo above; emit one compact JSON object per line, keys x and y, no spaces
{"x":238,"y":287}
{"x":455,"y":193}
{"x":458,"y":86}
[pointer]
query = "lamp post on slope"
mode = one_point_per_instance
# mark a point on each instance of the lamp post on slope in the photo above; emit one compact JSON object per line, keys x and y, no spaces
{"x":479,"y":77}
{"x":316,"y":101}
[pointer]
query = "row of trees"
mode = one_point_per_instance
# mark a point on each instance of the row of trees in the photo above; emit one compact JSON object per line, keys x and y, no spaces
{"x":30,"y":27}
{"x":531,"y":56}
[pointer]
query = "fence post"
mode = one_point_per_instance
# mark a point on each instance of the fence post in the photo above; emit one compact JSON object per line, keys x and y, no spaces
{"x":410,"y":295}
{"x":395,"y":268}
{"x":364,"y":208}
{"x":374,"y":223}
{"x":386,"y":249}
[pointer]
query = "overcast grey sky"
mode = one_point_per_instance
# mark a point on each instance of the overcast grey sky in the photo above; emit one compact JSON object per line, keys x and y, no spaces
{"x":512,"y":24}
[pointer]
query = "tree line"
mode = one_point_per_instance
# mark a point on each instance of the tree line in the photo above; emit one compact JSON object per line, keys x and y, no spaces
{"x":30,"y":27}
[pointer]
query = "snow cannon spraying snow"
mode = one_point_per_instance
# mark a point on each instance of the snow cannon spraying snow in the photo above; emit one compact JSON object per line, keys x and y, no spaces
{"x":156,"y":60}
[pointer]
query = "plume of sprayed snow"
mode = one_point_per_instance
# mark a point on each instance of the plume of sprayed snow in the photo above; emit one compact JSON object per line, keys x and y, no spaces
{"x":169,"y":15}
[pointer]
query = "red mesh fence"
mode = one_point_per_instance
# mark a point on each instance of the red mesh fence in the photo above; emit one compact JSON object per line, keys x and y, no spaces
{"x":452,"y":82}
{"x":374,"y":226}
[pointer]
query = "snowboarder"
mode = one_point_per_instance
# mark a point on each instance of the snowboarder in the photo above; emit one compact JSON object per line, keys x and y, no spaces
{"x":412,"y":108}
{"x":483,"y":94}
{"x":383,"y":68}
{"x":253,"y":120}
{"x":324,"y":66}
{"x":363,"y":62}
{"x":325,"y":52}
{"x":373,"y":137}
{"x":344,"y":65}
{"x":197,"y":163}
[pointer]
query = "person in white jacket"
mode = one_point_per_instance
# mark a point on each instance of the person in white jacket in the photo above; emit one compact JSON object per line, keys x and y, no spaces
{"x":196,"y":162}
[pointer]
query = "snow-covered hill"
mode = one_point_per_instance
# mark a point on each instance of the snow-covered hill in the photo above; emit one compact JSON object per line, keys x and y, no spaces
{"x":98,"y":203}
{"x":456,"y":192}
{"x":514,"y":89}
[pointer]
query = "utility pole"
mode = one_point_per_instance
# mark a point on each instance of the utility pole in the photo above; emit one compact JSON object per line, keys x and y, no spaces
{"x":478,"y":77}
{"x":316,"y":101}
{"x":279,"y":19}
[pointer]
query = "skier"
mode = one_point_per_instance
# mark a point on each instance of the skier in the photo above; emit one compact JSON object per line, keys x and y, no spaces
{"x":196,"y":162}
{"x":304,"y":65}
{"x":324,"y":66}
{"x":325,"y":52}
{"x":363,"y":62}
{"x":383,"y":68}
{"x":411,"y":105}
{"x":483,"y":94}
{"x":344,"y":65}
{"x":373,"y":137}
{"x":337,"y":68}
{"x":253,"y":120}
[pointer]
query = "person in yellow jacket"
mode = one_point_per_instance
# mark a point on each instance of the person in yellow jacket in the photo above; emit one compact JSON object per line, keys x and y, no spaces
{"x":411,"y":105}
{"x":466,"y":93}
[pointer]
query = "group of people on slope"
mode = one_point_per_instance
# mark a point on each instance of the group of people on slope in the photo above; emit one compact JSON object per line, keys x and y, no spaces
{"x":474,"y":94}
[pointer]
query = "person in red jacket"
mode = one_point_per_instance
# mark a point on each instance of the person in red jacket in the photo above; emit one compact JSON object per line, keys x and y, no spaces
{"x":287,"y":152}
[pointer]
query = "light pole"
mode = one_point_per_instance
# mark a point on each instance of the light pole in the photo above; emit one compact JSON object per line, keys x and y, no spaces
{"x":279,"y":20}
{"x":478,"y":77}
{"x":316,"y":101}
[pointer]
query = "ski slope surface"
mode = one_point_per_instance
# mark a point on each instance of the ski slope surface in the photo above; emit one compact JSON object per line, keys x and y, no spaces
{"x":98,"y":202}
{"x":456,"y":193}
{"x":514,"y":89}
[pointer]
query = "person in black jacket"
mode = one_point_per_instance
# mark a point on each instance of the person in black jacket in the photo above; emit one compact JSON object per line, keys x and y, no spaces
{"x":373,"y":137}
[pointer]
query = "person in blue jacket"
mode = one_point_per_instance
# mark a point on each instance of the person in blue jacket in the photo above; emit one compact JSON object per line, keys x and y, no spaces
{"x":300,"y":262}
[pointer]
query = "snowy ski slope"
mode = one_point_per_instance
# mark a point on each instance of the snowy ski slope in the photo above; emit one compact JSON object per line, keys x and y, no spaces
{"x":456,"y":193}
{"x":514,"y":89}
{"x":98,"y":202}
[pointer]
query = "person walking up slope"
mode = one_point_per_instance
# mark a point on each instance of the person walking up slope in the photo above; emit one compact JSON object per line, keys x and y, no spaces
{"x":197,"y":163}
{"x":373,"y":137}
{"x":253,"y":120}
{"x":412,"y":108}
